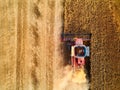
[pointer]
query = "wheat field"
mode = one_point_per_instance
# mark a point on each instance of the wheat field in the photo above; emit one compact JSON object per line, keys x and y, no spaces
{"x":31,"y":53}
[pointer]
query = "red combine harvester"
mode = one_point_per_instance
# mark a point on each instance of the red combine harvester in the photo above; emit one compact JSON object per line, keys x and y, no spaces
{"x":79,"y":50}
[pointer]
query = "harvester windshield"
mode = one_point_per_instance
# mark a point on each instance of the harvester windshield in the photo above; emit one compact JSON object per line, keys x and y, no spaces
{"x":80,"y":51}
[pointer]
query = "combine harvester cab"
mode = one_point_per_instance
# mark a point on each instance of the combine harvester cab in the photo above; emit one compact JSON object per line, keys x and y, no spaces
{"x":78,"y":48}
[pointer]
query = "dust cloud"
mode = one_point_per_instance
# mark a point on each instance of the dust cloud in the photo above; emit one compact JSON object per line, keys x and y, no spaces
{"x":72,"y":80}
